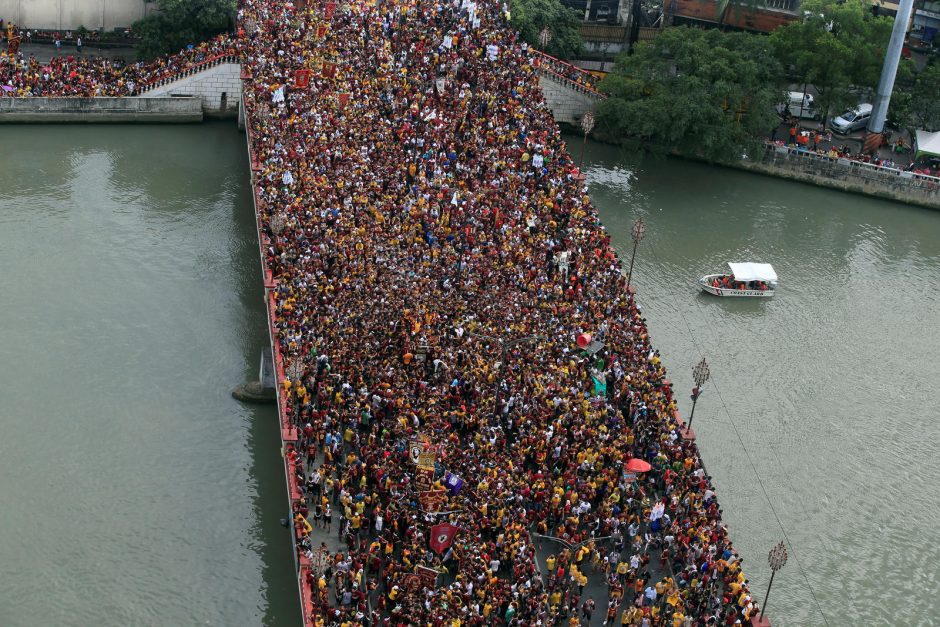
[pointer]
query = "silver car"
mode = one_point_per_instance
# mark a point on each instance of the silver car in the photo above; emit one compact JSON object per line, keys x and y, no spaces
{"x":852,"y":120}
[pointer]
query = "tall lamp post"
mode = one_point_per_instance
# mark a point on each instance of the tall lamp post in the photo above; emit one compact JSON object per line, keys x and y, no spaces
{"x":504,"y":345}
{"x":639,"y":230}
{"x":545,"y":36}
{"x":700,"y":374}
{"x":587,"y":125}
{"x":777,"y":558}
{"x":294,"y":371}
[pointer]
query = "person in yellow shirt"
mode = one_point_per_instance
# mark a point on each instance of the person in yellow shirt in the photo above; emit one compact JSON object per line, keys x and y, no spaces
{"x":550,"y":563}
{"x":677,"y":618}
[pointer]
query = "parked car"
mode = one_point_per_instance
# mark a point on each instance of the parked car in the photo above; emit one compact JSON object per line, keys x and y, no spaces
{"x":852,"y":120}
{"x":799,"y":106}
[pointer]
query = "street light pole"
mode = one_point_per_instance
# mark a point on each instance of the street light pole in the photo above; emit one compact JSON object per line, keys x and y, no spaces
{"x":587,"y":125}
{"x":294,"y":372}
{"x":777,"y":558}
{"x":545,"y":36}
{"x":638,"y":231}
{"x":505,"y":346}
{"x":700,"y":374}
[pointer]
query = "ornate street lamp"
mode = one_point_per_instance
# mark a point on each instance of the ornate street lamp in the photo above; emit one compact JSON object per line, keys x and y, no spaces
{"x":777,"y":558}
{"x":504,"y":345}
{"x":277,"y":222}
{"x":295,"y":370}
{"x":545,"y":37}
{"x":700,"y":374}
{"x":637,"y":233}
{"x":587,"y":125}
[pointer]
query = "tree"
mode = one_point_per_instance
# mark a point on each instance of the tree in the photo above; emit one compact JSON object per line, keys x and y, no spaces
{"x":918,"y":106}
{"x":182,"y":22}
{"x":703,"y":93}
{"x":529,"y":17}
{"x":838,"y":47}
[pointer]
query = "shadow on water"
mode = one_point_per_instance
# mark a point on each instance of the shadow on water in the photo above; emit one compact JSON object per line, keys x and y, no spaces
{"x":283,"y":605}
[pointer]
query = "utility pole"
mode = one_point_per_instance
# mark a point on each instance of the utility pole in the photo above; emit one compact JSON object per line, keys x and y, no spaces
{"x":889,"y":70}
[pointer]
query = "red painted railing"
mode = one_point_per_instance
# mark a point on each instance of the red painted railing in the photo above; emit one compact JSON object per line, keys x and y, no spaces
{"x":553,"y":67}
{"x":288,"y":431}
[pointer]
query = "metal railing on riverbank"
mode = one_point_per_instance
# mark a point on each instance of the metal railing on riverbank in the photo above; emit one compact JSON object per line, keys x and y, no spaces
{"x":851,"y":174}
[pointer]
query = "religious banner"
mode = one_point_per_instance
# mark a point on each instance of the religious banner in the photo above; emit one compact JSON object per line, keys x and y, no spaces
{"x":440,"y":84}
{"x":322,"y":30}
{"x":453,"y":483}
{"x":329,"y":9}
{"x":343,"y":99}
{"x":432,"y":500}
{"x":428,"y":576}
{"x":427,"y":458}
{"x":442,"y":536}
{"x":302,"y":79}
{"x":424,"y":477}
{"x":328,"y":69}
{"x":414,"y":451}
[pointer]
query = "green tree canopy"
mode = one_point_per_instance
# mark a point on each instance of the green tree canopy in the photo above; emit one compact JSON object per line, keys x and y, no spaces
{"x":918,"y":107}
{"x":704,"y":93}
{"x":838,"y":47}
{"x":182,"y":22}
{"x":529,"y":17}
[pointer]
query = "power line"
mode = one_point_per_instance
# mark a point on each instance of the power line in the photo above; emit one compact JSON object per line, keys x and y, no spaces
{"x":748,"y":454}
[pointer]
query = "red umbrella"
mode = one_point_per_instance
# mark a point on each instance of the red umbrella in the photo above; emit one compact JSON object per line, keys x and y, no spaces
{"x":638,"y":465}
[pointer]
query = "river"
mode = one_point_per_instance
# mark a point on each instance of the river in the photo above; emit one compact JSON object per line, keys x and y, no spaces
{"x":819,"y":423}
{"x":134,"y":489}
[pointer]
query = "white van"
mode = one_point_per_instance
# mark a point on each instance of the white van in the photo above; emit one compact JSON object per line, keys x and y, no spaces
{"x":799,"y":106}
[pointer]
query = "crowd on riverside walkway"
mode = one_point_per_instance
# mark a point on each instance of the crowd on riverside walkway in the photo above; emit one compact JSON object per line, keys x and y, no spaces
{"x":435,"y":256}
{"x":85,"y":76}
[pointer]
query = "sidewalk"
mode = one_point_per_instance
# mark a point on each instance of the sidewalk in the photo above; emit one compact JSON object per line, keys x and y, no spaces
{"x":852,"y":141}
{"x":45,"y":52}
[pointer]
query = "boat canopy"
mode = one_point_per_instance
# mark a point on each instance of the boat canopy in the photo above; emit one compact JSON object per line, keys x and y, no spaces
{"x":753,"y":272}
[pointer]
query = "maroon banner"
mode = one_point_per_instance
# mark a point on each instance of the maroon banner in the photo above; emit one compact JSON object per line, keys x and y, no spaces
{"x":302,"y":79}
{"x":442,"y":536}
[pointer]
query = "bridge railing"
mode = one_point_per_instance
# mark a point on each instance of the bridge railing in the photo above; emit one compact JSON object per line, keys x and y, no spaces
{"x":173,"y":76}
{"x":562,"y":71}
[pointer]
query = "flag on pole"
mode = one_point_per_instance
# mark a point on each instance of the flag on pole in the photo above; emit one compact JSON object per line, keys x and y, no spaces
{"x":442,"y":536}
{"x":453,"y":483}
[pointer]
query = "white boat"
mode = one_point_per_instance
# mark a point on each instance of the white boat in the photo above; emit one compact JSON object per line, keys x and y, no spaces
{"x":751,"y":280}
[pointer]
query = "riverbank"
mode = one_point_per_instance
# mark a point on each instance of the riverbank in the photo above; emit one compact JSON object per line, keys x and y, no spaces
{"x":118,"y":110}
{"x":846,"y":175}
{"x":837,"y":173}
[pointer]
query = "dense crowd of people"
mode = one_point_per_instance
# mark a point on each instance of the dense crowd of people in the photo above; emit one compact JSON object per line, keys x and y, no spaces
{"x":86,"y":76}
{"x":435,"y":255}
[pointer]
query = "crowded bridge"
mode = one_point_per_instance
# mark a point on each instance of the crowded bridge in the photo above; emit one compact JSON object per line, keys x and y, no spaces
{"x":434,"y":260}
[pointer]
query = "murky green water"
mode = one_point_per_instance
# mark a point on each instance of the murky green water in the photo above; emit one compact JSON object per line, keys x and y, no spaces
{"x":133,"y":489}
{"x":824,"y":394}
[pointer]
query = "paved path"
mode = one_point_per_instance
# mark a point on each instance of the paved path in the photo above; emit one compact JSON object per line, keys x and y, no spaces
{"x":45,"y":52}
{"x":853,"y":141}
